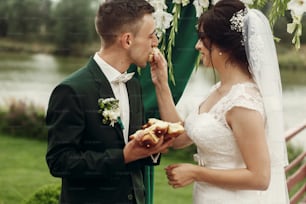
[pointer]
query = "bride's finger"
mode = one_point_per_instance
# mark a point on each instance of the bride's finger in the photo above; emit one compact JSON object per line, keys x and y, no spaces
{"x":174,"y":185}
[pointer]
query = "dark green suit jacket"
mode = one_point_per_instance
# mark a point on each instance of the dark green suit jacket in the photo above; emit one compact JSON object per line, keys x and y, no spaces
{"x":87,"y":154}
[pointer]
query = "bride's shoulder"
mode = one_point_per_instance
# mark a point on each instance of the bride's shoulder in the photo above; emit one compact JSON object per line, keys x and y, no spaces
{"x":246,"y":95}
{"x":247,"y":89}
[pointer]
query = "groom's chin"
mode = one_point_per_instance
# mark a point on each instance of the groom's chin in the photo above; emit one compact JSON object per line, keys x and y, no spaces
{"x":143,"y":66}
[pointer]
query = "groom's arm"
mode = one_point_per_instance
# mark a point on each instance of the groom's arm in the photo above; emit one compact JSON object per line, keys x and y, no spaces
{"x":66,"y":155}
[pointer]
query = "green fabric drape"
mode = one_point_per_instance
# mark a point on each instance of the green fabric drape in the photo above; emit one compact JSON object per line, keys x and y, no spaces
{"x":184,"y":58}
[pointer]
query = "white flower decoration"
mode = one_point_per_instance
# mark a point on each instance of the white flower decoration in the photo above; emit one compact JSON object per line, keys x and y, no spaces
{"x":109,"y":109}
{"x":200,"y":6}
{"x":163,"y":21}
{"x":247,"y":2}
{"x":297,"y":7}
{"x":162,"y":18}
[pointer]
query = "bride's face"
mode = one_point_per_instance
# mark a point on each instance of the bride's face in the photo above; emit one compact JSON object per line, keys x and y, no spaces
{"x":205,"y":51}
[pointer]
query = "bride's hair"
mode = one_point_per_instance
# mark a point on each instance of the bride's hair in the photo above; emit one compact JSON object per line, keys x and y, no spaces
{"x":215,"y":28}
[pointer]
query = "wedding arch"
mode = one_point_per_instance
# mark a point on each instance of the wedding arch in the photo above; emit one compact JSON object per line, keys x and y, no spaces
{"x":176,"y":22}
{"x":169,"y":15}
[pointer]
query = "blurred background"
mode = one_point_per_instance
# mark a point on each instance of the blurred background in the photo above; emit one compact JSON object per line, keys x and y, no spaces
{"x":42,"y":41}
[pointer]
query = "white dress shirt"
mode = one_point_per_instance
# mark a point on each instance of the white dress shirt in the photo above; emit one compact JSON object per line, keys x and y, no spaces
{"x":120,"y":92}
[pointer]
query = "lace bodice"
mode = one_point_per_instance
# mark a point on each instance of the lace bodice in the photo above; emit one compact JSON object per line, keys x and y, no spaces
{"x":217,"y":149}
{"x":212,"y":135}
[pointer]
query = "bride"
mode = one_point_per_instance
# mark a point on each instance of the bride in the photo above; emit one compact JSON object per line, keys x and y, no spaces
{"x":238,"y":126}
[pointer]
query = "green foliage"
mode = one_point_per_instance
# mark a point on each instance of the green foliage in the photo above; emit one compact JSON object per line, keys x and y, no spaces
{"x":259,"y":3}
{"x":48,"y":194}
{"x":24,"y":19}
{"x":164,"y":193}
{"x":74,"y":24}
{"x":293,"y":151}
{"x":23,"y":119}
{"x":185,"y":154}
{"x":69,"y":24}
{"x":291,"y":62}
{"x":23,"y":168}
{"x":278,"y":9}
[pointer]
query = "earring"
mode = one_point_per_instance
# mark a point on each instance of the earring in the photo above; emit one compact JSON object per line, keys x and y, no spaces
{"x":220,"y":53}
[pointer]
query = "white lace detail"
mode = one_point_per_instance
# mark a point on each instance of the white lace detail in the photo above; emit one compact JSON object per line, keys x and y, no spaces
{"x":217,"y":149}
{"x":256,"y":40}
{"x":212,"y":135}
{"x":244,"y":95}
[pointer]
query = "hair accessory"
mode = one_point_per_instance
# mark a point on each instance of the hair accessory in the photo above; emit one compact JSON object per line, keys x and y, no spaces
{"x":237,"y":20}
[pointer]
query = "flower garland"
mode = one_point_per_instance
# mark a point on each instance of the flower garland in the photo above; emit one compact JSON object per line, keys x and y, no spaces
{"x":298,"y":8}
{"x":169,"y":20}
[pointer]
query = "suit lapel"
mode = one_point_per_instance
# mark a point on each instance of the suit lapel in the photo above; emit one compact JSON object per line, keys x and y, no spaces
{"x":104,"y":87}
{"x":132,"y":101}
{"x":105,"y":90}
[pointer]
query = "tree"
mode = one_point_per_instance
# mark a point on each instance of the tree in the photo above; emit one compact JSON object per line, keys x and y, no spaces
{"x":74,"y":24}
{"x":23,"y":19}
{"x":3,"y":19}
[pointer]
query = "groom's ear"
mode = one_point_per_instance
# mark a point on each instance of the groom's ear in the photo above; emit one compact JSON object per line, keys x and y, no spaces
{"x":126,"y":40}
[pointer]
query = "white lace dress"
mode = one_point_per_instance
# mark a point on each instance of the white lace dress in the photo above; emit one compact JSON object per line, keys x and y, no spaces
{"x":217,"y":149}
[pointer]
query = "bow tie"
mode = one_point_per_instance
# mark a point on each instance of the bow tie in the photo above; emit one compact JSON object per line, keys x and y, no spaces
{"x":123,"y":77}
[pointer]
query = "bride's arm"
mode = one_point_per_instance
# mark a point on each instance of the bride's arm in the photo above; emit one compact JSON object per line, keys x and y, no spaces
{"x":248,"y":128}
{"x":167,"y":109}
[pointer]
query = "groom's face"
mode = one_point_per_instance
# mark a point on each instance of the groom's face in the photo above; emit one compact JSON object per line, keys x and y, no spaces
{"x":143,"y":41}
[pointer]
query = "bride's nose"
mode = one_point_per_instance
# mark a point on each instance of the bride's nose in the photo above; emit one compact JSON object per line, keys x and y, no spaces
{"x":198,"y":45}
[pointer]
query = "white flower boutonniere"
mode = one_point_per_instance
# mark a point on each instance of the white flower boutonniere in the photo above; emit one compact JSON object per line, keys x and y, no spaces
{"x":110,"y":111}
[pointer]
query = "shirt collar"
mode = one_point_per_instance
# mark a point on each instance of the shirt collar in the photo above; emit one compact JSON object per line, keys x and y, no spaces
{"x":110,"y":72}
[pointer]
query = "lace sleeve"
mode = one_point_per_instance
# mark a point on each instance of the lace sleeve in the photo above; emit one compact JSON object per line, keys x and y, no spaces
{"x":242,"y":95}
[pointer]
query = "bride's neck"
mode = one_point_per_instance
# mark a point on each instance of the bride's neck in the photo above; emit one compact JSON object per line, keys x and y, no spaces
{"x":233,"y":75}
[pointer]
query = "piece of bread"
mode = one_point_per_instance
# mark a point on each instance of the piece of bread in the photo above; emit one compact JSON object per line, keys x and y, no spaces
{"x":155,"y":50}
{"x":148,"y":140}
{"x":175,"y":129}
{"x":151,"y":132}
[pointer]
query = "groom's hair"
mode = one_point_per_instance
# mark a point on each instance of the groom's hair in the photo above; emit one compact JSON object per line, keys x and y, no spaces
{"x":117,"y":16}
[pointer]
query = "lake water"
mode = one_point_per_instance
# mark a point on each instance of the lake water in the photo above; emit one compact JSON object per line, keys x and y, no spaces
{"x":33,"y":77}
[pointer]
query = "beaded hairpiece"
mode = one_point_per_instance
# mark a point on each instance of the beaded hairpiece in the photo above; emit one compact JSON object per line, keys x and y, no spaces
{"x":237,"y":20}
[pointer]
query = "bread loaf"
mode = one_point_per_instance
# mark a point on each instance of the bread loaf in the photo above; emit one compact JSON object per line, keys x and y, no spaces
{"x":151,"y":132}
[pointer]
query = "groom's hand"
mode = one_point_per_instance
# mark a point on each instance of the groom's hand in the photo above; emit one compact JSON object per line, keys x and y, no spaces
{"x":133,"y":150}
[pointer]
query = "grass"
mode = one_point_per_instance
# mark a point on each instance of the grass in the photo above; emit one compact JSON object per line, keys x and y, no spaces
{"x":24,"y":170}
{"x":163,"y":193}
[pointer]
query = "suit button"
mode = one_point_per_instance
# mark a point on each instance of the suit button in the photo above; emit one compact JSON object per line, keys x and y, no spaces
{"x":130,"y":197}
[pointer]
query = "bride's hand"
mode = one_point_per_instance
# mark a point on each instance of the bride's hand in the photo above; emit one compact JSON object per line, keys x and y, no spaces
{"x":159,"y":71}
{"x":180,"y":175}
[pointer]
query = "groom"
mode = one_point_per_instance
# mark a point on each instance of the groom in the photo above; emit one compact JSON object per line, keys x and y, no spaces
{"x":95,"y":158}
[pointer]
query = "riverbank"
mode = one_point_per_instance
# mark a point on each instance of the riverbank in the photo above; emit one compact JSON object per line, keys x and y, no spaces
{"x":14,"y":46}
{"x":32,"y":77}
{"x":289,"y":57}
{"x":9,"y":45}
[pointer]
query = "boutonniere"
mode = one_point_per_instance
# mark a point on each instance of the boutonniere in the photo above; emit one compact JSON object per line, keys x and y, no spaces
{"x":110,"y":111}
